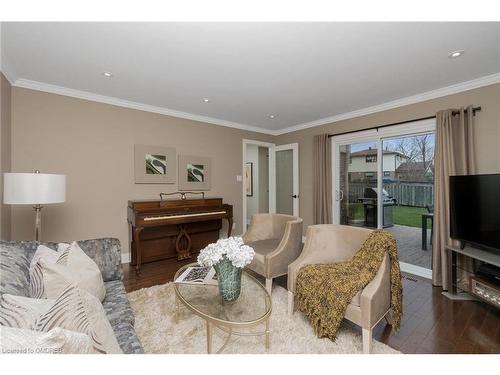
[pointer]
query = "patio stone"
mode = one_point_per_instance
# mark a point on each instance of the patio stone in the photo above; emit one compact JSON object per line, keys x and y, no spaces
{"x":409,"y":241}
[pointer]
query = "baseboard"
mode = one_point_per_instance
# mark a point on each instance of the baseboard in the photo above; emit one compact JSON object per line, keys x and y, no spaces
{"x":125,"y":258}
{"x":415,"y":270}
{"x":459,"y":296}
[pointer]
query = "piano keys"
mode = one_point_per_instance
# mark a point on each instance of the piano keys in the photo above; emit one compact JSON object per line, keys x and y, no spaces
{"x":182,"y":216}
{"x":174,"y":228}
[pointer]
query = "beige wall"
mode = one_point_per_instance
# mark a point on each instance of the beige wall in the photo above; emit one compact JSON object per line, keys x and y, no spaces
{"x":5,"y":149}
{"x":487,"y":134}
{"x":93,"y":144}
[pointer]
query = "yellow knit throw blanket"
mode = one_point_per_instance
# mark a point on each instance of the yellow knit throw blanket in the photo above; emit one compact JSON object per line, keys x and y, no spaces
{"x":324,"y":290}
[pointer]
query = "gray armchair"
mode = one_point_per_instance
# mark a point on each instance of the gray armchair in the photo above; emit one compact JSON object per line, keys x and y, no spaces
{"x":277,"y":241}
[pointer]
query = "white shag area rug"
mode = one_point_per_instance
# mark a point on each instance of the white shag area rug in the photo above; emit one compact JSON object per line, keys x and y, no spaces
{"x":155,"y":325}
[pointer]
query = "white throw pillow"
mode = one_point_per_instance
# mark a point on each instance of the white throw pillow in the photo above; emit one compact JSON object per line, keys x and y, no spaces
{"x":45,"y":253}
{"x":22,"y":312}
{"x":48,"y":278}
{"x":56,"y":341}
{"x":62,"y":246}
{"x":74,"y":310}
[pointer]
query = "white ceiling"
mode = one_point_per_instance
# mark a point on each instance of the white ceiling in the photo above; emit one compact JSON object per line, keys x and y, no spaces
{"x":299,"y":72}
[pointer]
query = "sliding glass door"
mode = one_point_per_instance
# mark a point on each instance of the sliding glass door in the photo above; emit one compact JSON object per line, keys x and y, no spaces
{"x":357,"y":183}
{"x":383,"y":178}
{"x":409,"y":180}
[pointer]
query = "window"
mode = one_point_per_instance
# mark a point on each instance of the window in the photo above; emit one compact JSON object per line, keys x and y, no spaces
{"x":371,"y":158}
{"x":369,"y":174}
{"x":387,"y":174}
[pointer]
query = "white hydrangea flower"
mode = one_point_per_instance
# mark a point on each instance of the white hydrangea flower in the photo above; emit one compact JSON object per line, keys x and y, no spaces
{"x":210,"y":255}
{"x":240,"y":256}
{"x":233,"y":248}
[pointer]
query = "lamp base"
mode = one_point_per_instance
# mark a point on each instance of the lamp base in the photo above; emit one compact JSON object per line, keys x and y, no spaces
{"x":38,"y":221}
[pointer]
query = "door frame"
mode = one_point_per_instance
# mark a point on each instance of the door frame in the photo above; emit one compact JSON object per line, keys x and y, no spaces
{"x":296,"y":179}
{"x":378,"y":135}
{"x":272,"y":180}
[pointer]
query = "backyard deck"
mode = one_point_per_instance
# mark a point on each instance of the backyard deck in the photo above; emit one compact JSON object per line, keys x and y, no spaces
{"x":409,"y":241}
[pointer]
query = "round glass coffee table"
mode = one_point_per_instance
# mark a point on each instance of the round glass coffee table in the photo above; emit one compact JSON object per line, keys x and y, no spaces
{"x":252,"y":308}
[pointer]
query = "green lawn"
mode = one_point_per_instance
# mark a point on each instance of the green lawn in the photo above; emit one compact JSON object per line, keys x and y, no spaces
{"x":402,"y":215}
{"x":409,"y":216}
{"x":355,"y":211}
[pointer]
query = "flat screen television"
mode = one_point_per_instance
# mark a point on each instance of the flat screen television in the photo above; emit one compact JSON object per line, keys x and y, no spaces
{"x":475,"y":210}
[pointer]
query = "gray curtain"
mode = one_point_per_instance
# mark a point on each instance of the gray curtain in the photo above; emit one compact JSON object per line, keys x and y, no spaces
{"x":454,"y":155}
{"x":322,"y":179}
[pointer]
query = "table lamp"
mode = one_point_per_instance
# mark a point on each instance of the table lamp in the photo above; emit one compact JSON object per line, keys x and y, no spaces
{"x":36,"y":189}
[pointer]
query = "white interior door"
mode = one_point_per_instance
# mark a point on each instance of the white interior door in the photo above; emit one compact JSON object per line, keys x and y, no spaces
{"x":284,"y":174}
{"x":283,"y":179}
{"x":258,"y":175}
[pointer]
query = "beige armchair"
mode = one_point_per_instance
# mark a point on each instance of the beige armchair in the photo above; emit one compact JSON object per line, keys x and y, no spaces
{"x":277,"y":241}
{"x":328,"y":243}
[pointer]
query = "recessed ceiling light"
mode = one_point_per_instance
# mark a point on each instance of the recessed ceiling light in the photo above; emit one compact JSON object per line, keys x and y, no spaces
{"x":456,"y":54}
{"x":107,"y":74}
{"x":272,"y":116}
{"x":206,"y":100}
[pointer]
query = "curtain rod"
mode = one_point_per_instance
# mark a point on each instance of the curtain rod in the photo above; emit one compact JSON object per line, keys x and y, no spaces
{"x":454,"y":113}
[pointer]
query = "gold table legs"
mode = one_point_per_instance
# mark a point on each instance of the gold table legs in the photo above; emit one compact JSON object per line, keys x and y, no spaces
{"x":230,"y":332}
{"x":209,"y":337}
{"x":210,"y":331}
{"x":177,"y":309}
{"x":268,"y":333}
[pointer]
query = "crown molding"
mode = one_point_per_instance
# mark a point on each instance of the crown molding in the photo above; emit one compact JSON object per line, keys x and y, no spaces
{"x":125,"y":257}
{"x":60,"y":90}
{"x":429,"y":95}
{"x":8,"y":73}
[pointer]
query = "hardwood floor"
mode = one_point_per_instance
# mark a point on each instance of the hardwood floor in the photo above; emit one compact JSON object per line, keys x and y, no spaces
{"x":431,"y":322}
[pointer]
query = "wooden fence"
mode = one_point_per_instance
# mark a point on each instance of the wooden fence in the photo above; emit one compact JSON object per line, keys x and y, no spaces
{"x":415,"y":194}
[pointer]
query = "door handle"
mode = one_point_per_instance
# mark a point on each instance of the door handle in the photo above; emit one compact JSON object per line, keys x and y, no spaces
{"x":341,"y":195}
{"x":294,"y":196}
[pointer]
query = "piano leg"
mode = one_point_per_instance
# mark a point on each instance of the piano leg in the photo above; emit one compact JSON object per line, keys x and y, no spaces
{"x":229,"y":226}
{"x":137,"y":240}
{"x":183,"y":243}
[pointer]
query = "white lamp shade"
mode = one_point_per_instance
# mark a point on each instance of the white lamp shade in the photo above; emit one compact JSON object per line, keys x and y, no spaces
{"x":34,"y":188}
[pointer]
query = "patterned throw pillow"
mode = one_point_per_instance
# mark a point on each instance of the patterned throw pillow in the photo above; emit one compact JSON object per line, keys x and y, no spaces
{"x":74,"y":310}
{"x":22,"y":312}
{"x":56,"y":341}
{"x":45,"y":253}
{"x":51,"y":272}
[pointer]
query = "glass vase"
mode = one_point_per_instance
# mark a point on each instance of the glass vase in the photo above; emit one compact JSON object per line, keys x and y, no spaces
{"x":229,"y":279}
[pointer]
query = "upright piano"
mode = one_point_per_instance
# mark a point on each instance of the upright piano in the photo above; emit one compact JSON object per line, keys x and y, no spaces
{"x":174,"y":228}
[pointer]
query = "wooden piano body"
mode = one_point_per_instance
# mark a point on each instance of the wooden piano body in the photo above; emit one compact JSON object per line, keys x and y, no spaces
{"x":174,"y":228}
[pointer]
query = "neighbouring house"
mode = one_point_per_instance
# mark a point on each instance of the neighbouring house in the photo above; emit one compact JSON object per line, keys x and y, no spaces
{"x":363,"y":164}
{"x":415,"y":171}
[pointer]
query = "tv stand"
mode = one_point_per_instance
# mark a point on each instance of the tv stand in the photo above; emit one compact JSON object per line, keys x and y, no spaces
{"x":471,"y":252}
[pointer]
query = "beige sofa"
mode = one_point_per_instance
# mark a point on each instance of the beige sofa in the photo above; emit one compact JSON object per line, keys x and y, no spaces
{"x":277,"y":241}
{"x":329,"y":243}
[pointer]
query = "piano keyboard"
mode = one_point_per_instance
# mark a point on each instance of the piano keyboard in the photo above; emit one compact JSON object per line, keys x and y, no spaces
{"x":153,"y":218}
